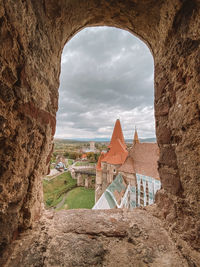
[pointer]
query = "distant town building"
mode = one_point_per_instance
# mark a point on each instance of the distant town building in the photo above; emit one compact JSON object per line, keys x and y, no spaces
{"x":84,"y":157}
{"x":60,"y":163}
{"x":92,"y":146}
{"x":131,"y":178}
{"x":91,"y":149}
{"x":60,"y":166}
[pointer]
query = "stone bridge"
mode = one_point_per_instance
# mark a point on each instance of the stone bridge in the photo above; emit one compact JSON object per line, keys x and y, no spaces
{"x":85,"y":176}
{"x":86,"y":171}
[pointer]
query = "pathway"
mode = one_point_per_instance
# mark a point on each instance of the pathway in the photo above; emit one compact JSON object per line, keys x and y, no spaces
{"x":61,"y":203}
{"x":51,"y":177}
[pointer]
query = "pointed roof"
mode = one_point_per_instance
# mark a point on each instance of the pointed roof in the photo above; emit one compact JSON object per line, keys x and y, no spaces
{"x":117,"y":134}
{"x":118,"y":152}
{"x":136,"y":139}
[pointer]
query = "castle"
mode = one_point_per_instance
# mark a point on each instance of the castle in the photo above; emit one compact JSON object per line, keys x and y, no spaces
{"x":126,"y":179}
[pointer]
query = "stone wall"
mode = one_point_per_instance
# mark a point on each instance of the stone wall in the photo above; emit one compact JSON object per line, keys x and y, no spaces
{"x":85,"y":180}
{"x":177,"y":112}
{"x":28,"y":104}
{"x":32,"y":36}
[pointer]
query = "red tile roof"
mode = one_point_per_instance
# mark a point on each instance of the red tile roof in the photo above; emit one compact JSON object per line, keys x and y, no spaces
{"x":117,"y":153}
{"x":98,"y":167}
{"x":136,"y":139}
{"x":145,"y":157}
{"x":142,"y":157}
{"x":117,"y":134}
{"x":128,"y":166}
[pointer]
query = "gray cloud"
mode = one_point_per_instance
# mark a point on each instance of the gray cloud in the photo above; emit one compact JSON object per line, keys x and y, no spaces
{"x":106,"y":74}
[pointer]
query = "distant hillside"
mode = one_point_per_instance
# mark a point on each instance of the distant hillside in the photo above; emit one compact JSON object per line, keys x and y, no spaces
{"x":143,"y":140}
{"x":149,"y":140}
{"x":84,"y":140}
{"x":69,"y":141}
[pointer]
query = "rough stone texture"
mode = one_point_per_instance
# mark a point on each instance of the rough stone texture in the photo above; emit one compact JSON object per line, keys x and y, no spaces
{"x":32,"y":36}
{"x":97,"y":238}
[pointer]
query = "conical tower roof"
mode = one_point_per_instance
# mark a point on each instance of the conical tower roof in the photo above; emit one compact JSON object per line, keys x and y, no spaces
{"x":136,"y":139}
{"x":118,"y":152}
{"x":117,"y":134}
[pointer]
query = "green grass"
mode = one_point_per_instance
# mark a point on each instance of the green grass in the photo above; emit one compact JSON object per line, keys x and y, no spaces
{"x":70,"y":162}
{"x":54,"y":189}
{"x":79,"y":163}
{"x":79,"y":198}
{"x":84,"y":163}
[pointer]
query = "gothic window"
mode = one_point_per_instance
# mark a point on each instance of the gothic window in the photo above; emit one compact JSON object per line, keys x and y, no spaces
{"x":147,"y":194}
{"x":141,"y":194}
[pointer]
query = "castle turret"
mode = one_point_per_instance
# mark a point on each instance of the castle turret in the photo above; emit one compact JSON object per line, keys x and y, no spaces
{"x":108,"y":163}
{"x":136,"y":139}
{"x":118,"y":152}
{"x":117,"y":135}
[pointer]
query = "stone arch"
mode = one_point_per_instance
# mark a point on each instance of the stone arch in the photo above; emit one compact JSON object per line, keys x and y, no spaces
{"x":33,"y":34}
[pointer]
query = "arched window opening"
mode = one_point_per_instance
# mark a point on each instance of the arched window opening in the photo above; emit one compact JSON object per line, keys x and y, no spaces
{"x":106,"y":76}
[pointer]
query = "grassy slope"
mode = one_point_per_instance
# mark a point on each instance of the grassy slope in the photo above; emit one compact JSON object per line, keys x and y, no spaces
{"x":79,"y":163}
{"x":70,"y":161}
{"x":54,"y":189}
{"x":80,"y":198}
{"x":84,"y":163}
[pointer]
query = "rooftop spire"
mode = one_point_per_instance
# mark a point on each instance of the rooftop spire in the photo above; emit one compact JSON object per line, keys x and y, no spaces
{"x":136,"y":139}
{"x":117,"y":153}
{"x":117,"y":134}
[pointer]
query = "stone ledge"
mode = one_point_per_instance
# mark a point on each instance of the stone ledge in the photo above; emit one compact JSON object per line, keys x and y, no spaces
{"x":96,"y":238}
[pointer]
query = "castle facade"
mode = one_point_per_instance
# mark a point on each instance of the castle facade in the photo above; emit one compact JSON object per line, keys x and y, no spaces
{"x":126,"y":179}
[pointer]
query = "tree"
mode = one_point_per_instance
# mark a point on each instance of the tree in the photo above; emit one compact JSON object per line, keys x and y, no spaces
{"x":66,"y":154}
{"x":91,"y":157}
{"x":96,"y":156}
{"x":73,"y":155}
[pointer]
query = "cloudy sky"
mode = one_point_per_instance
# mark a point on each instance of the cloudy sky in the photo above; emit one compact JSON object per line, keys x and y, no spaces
{"x":106,"y":74}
